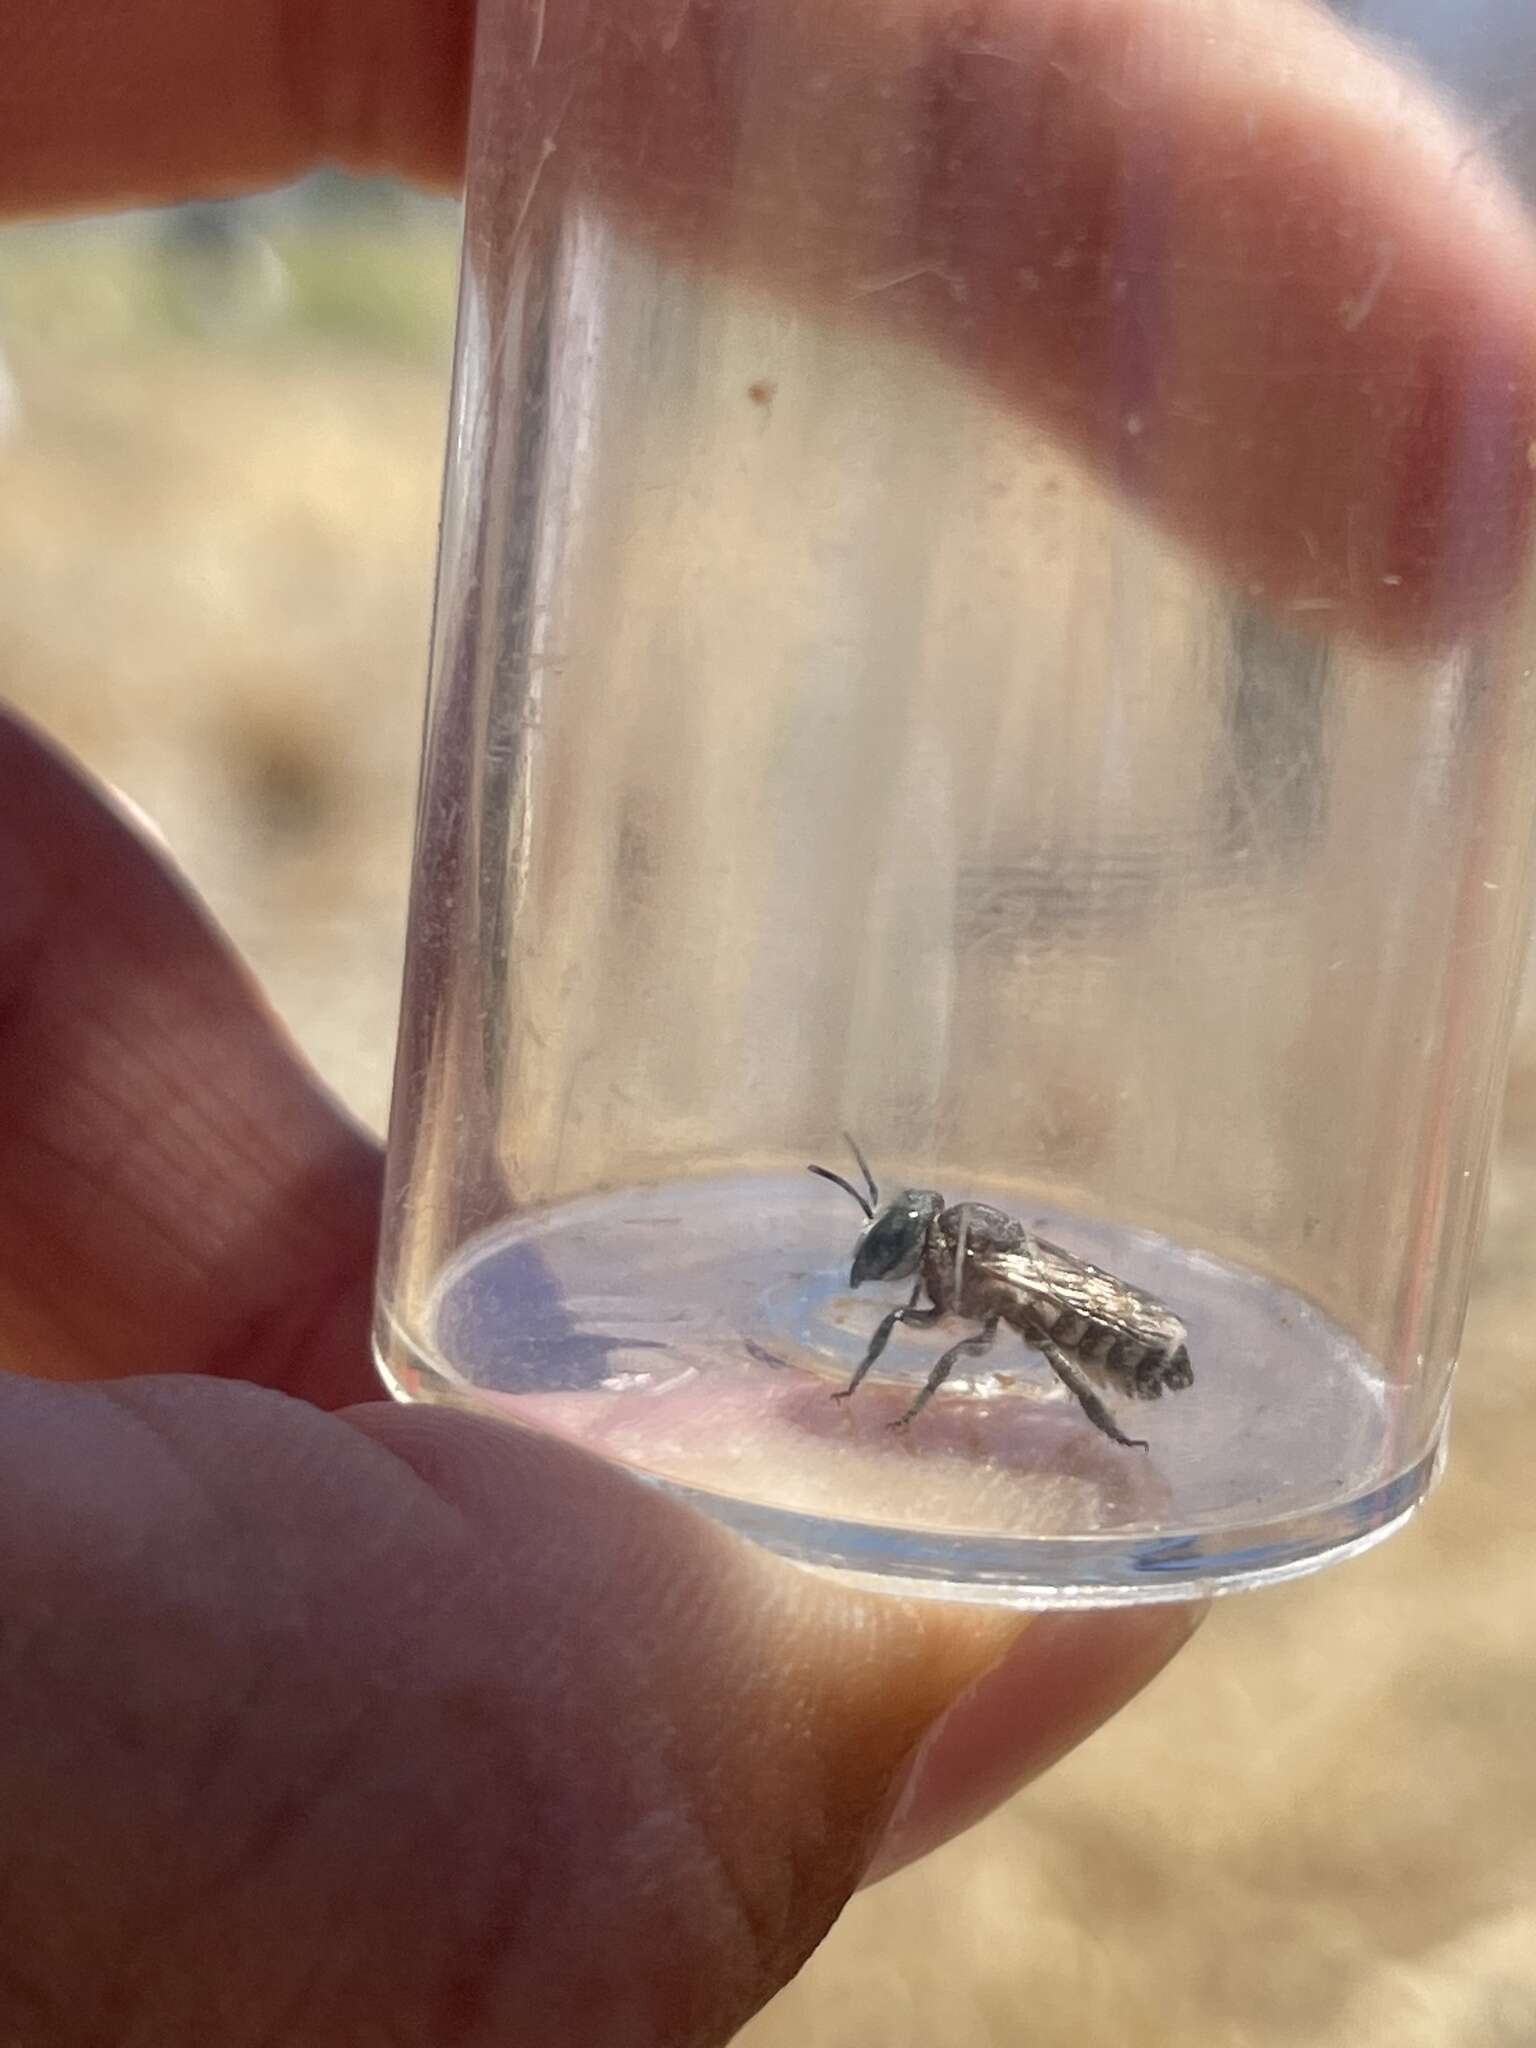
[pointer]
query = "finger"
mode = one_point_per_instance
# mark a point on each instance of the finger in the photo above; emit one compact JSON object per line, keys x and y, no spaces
{"x":1016,"y":1693}
{"x":469,"y":1738}
{"x":176,"y":1191}
{"x":1065,"y":1675}
{"x":1252,"y":272}
{"x":102,"y":104}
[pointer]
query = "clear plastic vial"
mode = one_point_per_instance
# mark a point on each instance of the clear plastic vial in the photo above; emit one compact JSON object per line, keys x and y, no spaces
{"x":984,"y":606}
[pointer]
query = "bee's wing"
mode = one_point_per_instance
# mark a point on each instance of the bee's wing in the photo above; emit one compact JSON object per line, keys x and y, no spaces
{"x":1038,"y":1268}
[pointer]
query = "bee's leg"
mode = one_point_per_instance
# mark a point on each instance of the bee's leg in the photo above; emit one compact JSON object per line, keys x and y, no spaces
{"x":910,"y":1314}
{"x":968,"y":1347}
{"x":1077,"y":1382}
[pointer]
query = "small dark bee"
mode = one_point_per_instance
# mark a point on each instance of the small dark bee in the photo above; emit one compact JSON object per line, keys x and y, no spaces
{"x":983,"y":1266}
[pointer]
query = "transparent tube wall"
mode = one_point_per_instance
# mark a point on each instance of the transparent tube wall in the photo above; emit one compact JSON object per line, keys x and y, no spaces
{"x":983,"y":606}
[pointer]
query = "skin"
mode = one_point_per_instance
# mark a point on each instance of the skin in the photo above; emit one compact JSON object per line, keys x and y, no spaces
{"x":1246,"y":268}
{"x":332,"y":1722}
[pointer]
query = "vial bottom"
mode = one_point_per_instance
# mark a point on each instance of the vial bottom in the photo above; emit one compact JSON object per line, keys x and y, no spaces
{"x":696,"y":1331}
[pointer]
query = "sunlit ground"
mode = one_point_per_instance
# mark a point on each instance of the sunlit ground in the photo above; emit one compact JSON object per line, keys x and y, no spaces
{"x":218,"y":493}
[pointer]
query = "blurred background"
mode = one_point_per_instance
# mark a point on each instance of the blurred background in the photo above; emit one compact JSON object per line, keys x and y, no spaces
{"x":220,"y":442}
{"x":221,"y":437}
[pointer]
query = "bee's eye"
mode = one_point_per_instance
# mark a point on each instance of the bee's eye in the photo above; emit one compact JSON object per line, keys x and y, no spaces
{"x":890,"y":1246}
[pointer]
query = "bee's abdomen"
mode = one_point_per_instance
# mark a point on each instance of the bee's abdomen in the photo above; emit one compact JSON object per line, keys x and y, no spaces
{"x":1081,"y":1334}
{"x":1143,"y":1368}
{"x":1147,"y":1371}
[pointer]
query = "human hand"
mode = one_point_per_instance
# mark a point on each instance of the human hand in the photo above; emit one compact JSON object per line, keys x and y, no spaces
{"x":327,"y":1720}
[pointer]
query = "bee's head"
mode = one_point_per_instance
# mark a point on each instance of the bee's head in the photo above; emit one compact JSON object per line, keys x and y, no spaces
{"x":891,"y":1247}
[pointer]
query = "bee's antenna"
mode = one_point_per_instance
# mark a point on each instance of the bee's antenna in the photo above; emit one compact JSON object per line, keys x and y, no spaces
{"x":869,"y":1178}
{"x":847,"y":1186}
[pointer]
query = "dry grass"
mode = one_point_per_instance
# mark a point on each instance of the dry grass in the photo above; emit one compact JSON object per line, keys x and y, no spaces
{"x":1320,"y":1827}
{"x":215,"y":578}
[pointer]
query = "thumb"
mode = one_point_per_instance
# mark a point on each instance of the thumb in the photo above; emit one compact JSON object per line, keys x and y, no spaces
{"x":407,"y":1725}
{"x":719,"y":1737}
{"x":737,"y":1742}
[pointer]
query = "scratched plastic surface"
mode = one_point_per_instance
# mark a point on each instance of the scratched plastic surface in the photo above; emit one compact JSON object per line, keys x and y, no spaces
{"x":825,"y":736}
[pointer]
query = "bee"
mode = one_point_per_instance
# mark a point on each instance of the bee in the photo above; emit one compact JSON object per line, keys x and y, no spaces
{"x":979,"y":1264}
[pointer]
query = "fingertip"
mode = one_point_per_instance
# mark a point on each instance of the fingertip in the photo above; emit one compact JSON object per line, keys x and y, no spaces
{"x":924,"y":1714}
{"x":862,"y":1676}
{"x":103,"y":104}
{"x":1062,"y":1676}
